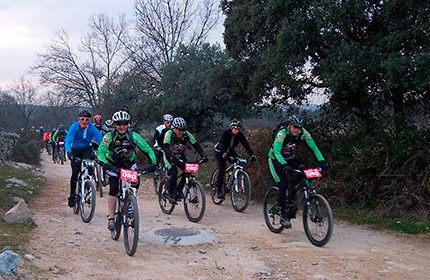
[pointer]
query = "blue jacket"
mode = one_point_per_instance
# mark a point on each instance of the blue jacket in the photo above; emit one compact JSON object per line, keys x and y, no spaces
{"x":78,"y":138}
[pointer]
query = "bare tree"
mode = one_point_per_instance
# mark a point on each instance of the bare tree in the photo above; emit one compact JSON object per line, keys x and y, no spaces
{"x":26,"y":97}
{"x":163,"y":25}
{"x":85,"y":77}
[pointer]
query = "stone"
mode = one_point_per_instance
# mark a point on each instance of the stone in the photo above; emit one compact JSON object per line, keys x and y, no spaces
{"x":9,"y":262}
{"x":19,"y":213}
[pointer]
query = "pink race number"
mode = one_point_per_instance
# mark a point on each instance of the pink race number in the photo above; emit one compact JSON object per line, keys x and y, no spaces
{"x":129,"y":175}
{"x":191,"y":167}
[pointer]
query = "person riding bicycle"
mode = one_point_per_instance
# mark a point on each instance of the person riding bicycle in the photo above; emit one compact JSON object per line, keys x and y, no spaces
{"x":59,"y":136}
{"x":224,"y":150}
{"x":117,"y":151}
{"x":98,"y":123}
{"x":282,"y":157}
{"x":158,"y":138}
{"x":174,"y":146}
{"x":78,"y":147}
{"x":52,"y":142}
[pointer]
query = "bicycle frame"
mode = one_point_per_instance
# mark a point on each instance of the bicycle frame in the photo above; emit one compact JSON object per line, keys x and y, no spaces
{"x":86,"y":174}
{"x":237,"y":166}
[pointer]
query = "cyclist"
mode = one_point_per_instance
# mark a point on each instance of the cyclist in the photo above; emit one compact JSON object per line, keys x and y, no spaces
{"x":78,"y":147}
{"x":98,"y":123}
{"x":117,"y":151}
{"x":160,"y":131}
{"x":282,"y":157}
{"x":174,"y":146}
{"x":59,"y":136}
{"x":46,"y":137}
{"x":224,"y":150}
{"x":52,"y":142}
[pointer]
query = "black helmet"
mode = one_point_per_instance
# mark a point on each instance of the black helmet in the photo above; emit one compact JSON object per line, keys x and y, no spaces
{"x":235,"y":123}
{"x":84,"y":113}
{"x":179,"y":123}
{"x":296,"y":120}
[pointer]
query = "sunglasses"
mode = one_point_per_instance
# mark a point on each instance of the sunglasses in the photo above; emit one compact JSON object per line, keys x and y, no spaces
{"x":84,"y":119}
{"x":296,"y":127}
{"x":121,"y":123}
{"x":181,"y":130}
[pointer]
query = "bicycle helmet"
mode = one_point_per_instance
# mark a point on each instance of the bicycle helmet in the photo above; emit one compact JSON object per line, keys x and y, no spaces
{"x":61,"y":127}
{"x":167,"y":118}
{"x":84,"y":113}
{"x":296,"y":120}
{"x":109,"y":123}
{"x":235,"y":123}
{"x":179,"y":123}
{"x":98,"y":119}
{"x":121,"y":116}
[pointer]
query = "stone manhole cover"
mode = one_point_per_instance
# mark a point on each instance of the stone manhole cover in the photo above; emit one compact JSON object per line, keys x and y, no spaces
{"x":178,"y":236}
{"x":177,"y":232}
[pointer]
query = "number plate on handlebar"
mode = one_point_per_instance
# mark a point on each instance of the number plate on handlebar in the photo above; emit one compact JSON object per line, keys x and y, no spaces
{"x":129,"y":175}
{"x":61,"y":143}
{"x":312,"y":173}
{"x":191,"y":167}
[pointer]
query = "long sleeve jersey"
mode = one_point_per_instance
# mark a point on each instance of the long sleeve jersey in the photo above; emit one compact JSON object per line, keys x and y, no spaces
{"x":80,"y":138}
{"x":285,"y":145}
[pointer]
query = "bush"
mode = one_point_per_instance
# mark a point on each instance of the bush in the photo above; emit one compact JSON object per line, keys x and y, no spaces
{"x":27,"y":148}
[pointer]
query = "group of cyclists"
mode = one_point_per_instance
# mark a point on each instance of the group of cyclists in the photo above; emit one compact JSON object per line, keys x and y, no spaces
{"x":113,"y":144}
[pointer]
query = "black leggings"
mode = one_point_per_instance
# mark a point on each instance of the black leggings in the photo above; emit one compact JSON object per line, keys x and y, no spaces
{"x":283,"y":184}
{"x":86,"y":153}
{"x":114,"y":181}
{"x":173,"y":173}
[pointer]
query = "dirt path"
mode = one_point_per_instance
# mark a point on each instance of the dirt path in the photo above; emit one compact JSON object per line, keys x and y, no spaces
{"x":66,"y":248}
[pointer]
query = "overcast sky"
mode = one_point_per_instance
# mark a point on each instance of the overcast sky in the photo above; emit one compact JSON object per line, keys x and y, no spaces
{"x":27,"y":25}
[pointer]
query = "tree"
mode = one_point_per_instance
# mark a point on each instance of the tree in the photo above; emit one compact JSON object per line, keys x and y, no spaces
{"x":26,"y":97}
{"x":363,"y":53}
{"x":163,"y":25}
{"x":85,"y":77}
{"x":197,"y":85}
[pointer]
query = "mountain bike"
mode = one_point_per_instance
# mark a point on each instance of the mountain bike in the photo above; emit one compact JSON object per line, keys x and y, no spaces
{"x":100,"y":179}
{"x":85,"y":192}
{"x":59,"y":153}
{"x":237,"y":183}
{"x":127,"y":211}
{"x":317,"y":213}
{"x":193,"y":192}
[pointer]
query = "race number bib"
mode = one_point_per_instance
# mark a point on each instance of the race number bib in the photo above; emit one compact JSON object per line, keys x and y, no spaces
{"x":312,"y":173}
{"x":129,"y":175}
{"x":191,"y":167}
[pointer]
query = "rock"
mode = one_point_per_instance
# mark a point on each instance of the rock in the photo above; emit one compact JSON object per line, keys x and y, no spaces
{"x":17,"y":182}
{"x":29,"y":257}
{"x":19,"y":213}
{"x":202,"y":251}
{"x":9,"y":262}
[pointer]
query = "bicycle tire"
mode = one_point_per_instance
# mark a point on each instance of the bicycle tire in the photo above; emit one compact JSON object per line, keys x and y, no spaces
{"x":77,"y":198}
{"x":115,"y":234}
{"x":131,"y":224}
{"x":272,"y":213}
{"x":318,"y":215}
{"x":61,"y":152}
{"x":163,"y":200}
{"x":88,"y":204}
{"x":194,"y":201}
{"x":99,"y":180}
{"x":156,"y":182}
{"x":214,"y":189}
{"x":241,"y":196}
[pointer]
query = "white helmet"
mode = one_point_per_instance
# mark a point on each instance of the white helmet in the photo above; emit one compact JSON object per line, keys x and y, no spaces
{"x":121,"y":116}
{"x":167,"y":118}
{"x":179,"y":123}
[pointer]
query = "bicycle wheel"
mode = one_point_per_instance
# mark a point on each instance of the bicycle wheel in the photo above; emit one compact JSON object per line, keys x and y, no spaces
{"x":214,"y":189}
{"x":88,"y":202}
{"x":194,"y":201}
{"x":156,"y":182}
{"x":318,"y":220}
{"x":131,"y":225}
{"x":163,"y":200}
{"x":272,"y":213}
{"x":241,"y":191}
{"x":99,"y":182}
{"x":114,"y":234}
{"x":77,"y":198}
{"x":61,"y":156}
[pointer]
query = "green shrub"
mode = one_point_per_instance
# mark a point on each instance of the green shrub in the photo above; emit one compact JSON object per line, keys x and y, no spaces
{"x":27,"y":148}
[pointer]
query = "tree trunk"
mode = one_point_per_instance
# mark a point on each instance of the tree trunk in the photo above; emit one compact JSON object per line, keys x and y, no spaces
{"x":398,"y":108}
